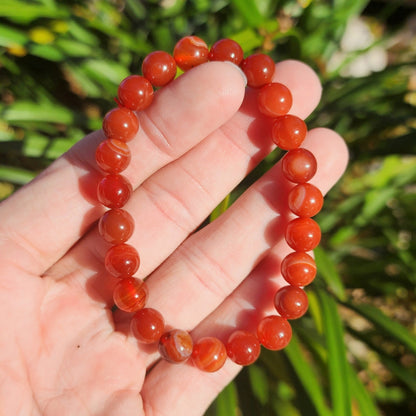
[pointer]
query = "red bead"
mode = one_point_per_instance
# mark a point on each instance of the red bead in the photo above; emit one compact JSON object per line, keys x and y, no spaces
{"x":190,"y":51}
{"x":120,"y":123}
{"x":114,"y":191}
{"x":122,"y":260}
{"x":209,"y":354}
{"x":226,"y":50}
{"x":243,"y":347}
{"x":274,"y":99}
{"x":298,"y":269}
{"x":259,"y":69}
{"x":303,"y":234}
{"x":130,"y":294}
{"x":147,"y":325}
{"x":274,"y":332}
{"x":291,"y":302}
{"x":135,"y":92}
{"x":175,"y":346}
{"x":113,"y":156}
{"x":305,"y":200}
{"x":159,"y":68}
{"x":299,"y":165}
{"x":289,"y":131}
{"x":116,"y":226}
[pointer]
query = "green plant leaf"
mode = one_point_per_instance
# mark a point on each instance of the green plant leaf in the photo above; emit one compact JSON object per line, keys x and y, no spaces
{"x":10,"y":36}
{"x":221,"y":208}
{"x":337,"y":360}
{"x":259,"y":383}
{"x":249,"y":10}
{"x":226,"y":404}
{"x":15,"y":175}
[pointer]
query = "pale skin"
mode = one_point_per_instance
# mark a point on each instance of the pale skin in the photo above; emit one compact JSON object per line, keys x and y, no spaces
{"x":63,"y":352}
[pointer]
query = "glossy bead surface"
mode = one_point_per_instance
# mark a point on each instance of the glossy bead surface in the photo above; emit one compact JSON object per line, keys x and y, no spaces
{"x":120,"y":123}
{"x":299,"y":165}
{"x":305,"y":200}
{"x":259,"y":69}
{"x":122,"y":260}
{"x":243,"y":347}
{"x":289,"y":132}
{"x":209,"y":354}
{"x":303,"y":234}
{"x":226,"y":50}
{"x":116,"y":226}
{"x":175,"y":346}
{"x":135,"y":92}
{"x":113,"y":191}
{"x":274,"y":332}
{"x":147,"y":325}
{"x":291,"y":302}
{"x":113,"y":156}
{"x":274,"y":99}
{"x":159,"y":68}
{"x":190,"y":51}
{"x":298,"y":269}
{"x":130,"y":294}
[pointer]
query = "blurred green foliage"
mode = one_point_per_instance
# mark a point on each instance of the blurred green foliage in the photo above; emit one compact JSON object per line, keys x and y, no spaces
{"x":355,"y":352}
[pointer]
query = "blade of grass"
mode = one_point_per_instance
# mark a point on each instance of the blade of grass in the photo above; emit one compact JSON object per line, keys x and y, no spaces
{"x":15,"y":175}
{"x":337,"y":360}
{"x":221,"y":208}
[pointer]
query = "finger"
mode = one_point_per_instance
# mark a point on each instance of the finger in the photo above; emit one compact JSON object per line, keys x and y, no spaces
{"x":176,"y":199}
{"x":62,"y":199}
{"x":211,"y":264}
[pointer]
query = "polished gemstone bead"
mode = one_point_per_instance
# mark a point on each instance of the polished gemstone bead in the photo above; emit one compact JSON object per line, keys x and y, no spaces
{"x":298,"y":268}
{"x":291,"y":302}
{"x":120,"y":123}
{"x":116,"y":226}
{"x":303,"y":234}
{"x":159,"y":68}
{"x":274,"y":99}
{"x":114,"y":191}
{"x":209,"y":354}
{"x":130,"y":294}
{"x":243,"y":347}
{"x":135,"y":92}
{"x":147,"y":325}
{"x":289,"y":132}
{"x":274,"y":332}
{"x":113,"y":156}
{"x":175,"y":346}
{"x":299,"y":165}
{"x":122,"y":260}
{"x":305,"y":200}
{"x":190,"y":51}
{"x":259,"y":69}
{"x":226,"y":50}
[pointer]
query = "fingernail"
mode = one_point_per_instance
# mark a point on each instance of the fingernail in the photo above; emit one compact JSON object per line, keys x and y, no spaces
{"x":239,"y":70}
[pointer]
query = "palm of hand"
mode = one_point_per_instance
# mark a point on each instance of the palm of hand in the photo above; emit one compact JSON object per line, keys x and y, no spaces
{"x":63,"y":351}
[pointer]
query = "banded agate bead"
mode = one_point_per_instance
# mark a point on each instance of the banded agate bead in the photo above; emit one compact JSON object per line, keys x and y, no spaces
{"x":305,"y":200}
{"x":274,"y":332}
{"x":299,"y":165}
{"x":147,"y":325}
{"x":175,"y":346}
{"x":130,"y":294}
{"x":120,"y":123}
{"x":135,"y":92}
{"x":289,"y":131}
{"x":274,"y":99}
{"x":190,"y":51}
{"x":291,"y":302}
{"x":209,"y":354}
{"x":116,"y":226}
{"x":159,"y":68}
{"x":243,"y":347}
{"x":122,"y":260}
{"x":259,"y":69}
{"x":298,"y":269}
{"x":113,"y":156}
{"x":303,"y":234}
{"x":226,"y":50}
{"x":114,"y":190}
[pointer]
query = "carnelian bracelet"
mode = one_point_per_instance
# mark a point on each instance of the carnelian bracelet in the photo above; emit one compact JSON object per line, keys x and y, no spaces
{"x":303,"y":234}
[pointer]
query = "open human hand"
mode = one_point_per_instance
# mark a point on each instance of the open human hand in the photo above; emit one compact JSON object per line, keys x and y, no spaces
{"x":63,"y":351}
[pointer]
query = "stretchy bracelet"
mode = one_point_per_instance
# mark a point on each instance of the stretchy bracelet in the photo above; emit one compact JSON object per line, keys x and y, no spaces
{"x":303,"y":234}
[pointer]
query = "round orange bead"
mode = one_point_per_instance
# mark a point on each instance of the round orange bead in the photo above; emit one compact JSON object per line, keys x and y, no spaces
{"x":259,"y":69}
{"x":299,"y":165}
{"x":130,"y":294}
{"x":135,"y":92}
{"x":147,"y":325}
{"x":291,"y":302}
{"x":274,"y":332}
{"x":116,"y":226}
{"x":243,"y":347}
{"x":159,"y":68}
{"x":303,"y":234}
{"x":226,"y":50}
{"x":175,"y":346}
{"x":209,"y":354}
{"x":289,"y":131}
{"x":298,"y":269}
{"x":122,"y":260}
{"x":120,"y":123}
{"x":190,"y":51}
{"x":274,"y":99}
{"x":305,"y":200}
{"x":114,"y":190}
{"x":113,"y":156}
